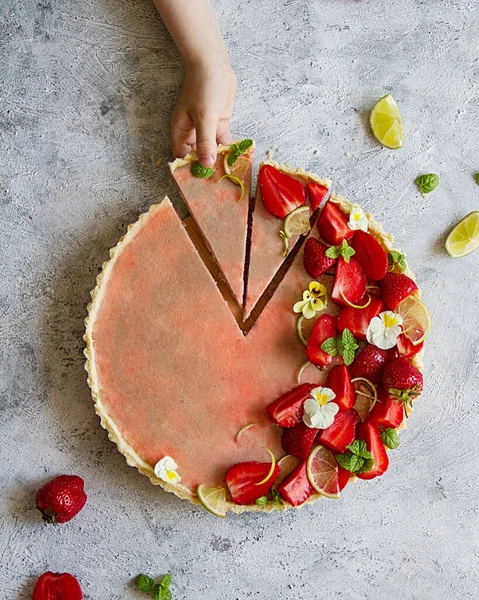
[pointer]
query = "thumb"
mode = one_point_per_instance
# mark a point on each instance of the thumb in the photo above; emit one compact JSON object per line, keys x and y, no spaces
{"x":206,"y":125}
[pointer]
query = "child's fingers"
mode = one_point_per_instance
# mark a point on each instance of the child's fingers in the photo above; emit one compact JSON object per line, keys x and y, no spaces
{"x":183,"y":136}
{"x":206,"y":125}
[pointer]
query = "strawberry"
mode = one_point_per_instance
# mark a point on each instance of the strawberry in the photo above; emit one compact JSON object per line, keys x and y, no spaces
{"x":343,"y":477}
{"x":395,"y":287}
{"x":324,"y":328}
{"x":316,"y":194}
{"x":242,"y":480}
{"x":341,"y":433}
{"x":406,"y":348}
{"x":357,"y":319}
{"x":280,"y":192}
{"x":339,"y":380}
{"x":333,"y":225}
{"x":402,"y":379}
{"x":369,"y":363}
{"x":350,"y":280}
{"x":298,"y":440}
{"x":315,"y":260}
{"x":57,"y":586}
{"x":369,"y":433}
{"x":387,"y":412}
{"x":370,"y":255}
{"x":287,"y":411}
{"x":61,"y":498}
{"x":295,"y":488}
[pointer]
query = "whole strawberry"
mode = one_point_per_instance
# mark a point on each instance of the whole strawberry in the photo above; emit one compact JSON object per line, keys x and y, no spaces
{"x":61,"y":498}
{"x":402,"y":379}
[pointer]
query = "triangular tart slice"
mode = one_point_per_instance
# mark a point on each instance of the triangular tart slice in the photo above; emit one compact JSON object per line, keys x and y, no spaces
{"x":266,"y":251}
{"x":220,"y":215}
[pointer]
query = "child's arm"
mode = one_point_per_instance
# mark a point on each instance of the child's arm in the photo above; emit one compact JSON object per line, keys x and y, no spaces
{"x":201,"y":118}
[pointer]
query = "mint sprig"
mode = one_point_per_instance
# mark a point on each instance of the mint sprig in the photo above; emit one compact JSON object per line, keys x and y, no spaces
{"x":390,"y":438}
{"x":144,"y":583}
{"x":202,"y":172}
{"x":261,"y":501}
{"x":344,"y":250}
{"x":277,"y":499}
{"x":358,"y":459}
{"x":236,"y":150}
{"x":426,"y":183}
{"x":344,"y":345}
{"x":162,"y":591}
{"x":397,"y":258}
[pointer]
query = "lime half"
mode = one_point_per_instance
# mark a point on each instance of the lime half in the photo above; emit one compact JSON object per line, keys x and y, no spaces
{"x":464,"y":238}
{"x":386,"y":123}
{"x":213,"y":499}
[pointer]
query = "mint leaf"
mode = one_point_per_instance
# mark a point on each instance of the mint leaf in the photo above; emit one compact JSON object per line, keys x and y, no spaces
{"x":261,"y":501}
{"x":348,"y":346}
{"x":426,"y":183}
{"x":346,"y":251}
{"x":330,"y":347}
{"x":397,"y":258}
{"x":348,"y":356}
{"x":276,"y":499}
{"x":332,"y":252}
{"x":162,"y":591}
{"x":143,"y":583}
{"x":367,"y":466}
{"x":357,"y":447}
{"x":245,"y":144}
{"x":355,"y":463}
{"x":202,"y":172}
{"x":236,"y":150}
{"x":344,"y":460}
{"x":348,"y":339}
{"x":390,"y":438}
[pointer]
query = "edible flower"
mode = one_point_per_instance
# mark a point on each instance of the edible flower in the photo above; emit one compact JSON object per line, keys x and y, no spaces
{"x":357,"y":219}
{"x":312,"y":301}
{"x":384,"y":330}
{"x":165,"y":469}
{"x":319,"y":409}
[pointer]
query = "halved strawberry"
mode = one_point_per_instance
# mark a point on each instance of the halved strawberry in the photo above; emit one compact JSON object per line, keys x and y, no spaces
{"x":339,"y":380}
{"x":387,"y":411}
{"x":369,"y":363}
{"x":406,"y":348}
{"x":333,"y":225}
{"x":295,"y":488}
{"x":343,"y":477}
{"x":298,"y":440}
{"x":341,"y":433}
{"x":370,"y":255}
{"x":369,"y":433}
{"x":287,"y":411}
{"x":350,"y":280}
{"x":242,"y":480}
{"x":315,"y":260}
{"x":395,"y":287}
{"x":316,"y":194}
{"x":357,"y":319}
{"x":402,"y":379}
{"x":324,"y":328}
{"x":280,"y":192}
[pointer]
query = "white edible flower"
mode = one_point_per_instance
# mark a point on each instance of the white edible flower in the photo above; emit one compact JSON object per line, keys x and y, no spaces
{"x":357,"y":219}
{"x":384,"y":329}
{"x":319,"y":409}
{"x":165,"y":469}
{"x":314,"y":300}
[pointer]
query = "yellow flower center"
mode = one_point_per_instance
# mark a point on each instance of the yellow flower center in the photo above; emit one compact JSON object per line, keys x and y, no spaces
{"x":171,"y":475}
{"x":389,"y":320}
{"x":321,"y":398}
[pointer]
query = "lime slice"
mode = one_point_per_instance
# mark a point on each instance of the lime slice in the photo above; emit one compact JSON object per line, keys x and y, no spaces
{"x":322,"y":470}
{"x":416,"y":319}
{"x":286,"y":466}
{"x":240,"y":167}
{"x":386,"y":124}
{"x":271,"y":471}
{"x":235,"y":180}
{"x":213,"y":499}
{"x":296,"y":223}
{"x":366,"y":396}
{"x":464,"y":238}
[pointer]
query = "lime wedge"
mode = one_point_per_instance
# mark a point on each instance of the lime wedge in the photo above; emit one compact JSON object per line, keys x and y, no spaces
{"x":416,"y":319}
{"x":386,"y":123}
{"x":464,"y":238}
{"x":213,"y":499}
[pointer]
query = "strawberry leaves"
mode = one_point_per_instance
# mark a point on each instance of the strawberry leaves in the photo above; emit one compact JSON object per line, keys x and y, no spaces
{"x":345,"y":345}
{"x":390,"y":438}
{"x":344,"y":250}
{"x":236,"y":150}
{"x":358,"y":459}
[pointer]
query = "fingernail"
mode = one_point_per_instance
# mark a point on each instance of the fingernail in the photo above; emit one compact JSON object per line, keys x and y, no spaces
{"x":207,"y":161}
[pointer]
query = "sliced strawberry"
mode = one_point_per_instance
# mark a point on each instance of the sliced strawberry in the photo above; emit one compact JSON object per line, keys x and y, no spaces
{"x":298,"y":440}
{"x":324,"y":328}
{"x":402,"y":379}
{"x":369,"y":433}
{"x":370,"y":255}
{"x":350,"y":280}
{"x":333,"y":225}
{"x":315,"y":260}
{"x":357,"y":319}
{"x":295,"y":488}
{"x":242,"y":480}
{"x":395,"y":287}
{"x":316,"y":194}
{"x":369,"y":363}
{"x":387,"y":412}
{"x":406,"y":348}
{"x":287,"y":411}
{"x":343,"y":477}
{"x":57,"y":586}
{"x":281,"y":193}
{"x":339,"y":380}
{"x":341,"y":433}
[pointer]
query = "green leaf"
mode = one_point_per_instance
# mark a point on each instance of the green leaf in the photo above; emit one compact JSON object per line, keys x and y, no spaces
{"x":330,"y":346}
{"x":143,"y":583}
{"x":332,"y":252}
{"x":348,"y":347}
{"x":344,"y":460}
{"x":346,"y":251}
{"x":355,"y":463}
{"x":202,"y":172}
{"x":476,"y":177}
{"x":162,"y":591}
{"x":261,"y":501}
{"x":348,"y":356}
{"x":390,"y":438}
{"x":367,"y":466}
{"x":245,"y":144}
{"x":426,"y":183}
{"x":397,"y":258}
{"x":236,"y":150}
{"x":357,"y":447}
{"x":348,"y":339}
{"x":276,"y":499}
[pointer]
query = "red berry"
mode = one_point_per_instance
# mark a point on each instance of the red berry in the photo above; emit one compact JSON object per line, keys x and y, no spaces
{"x":370,"y":255}
{"x":406,"y":348}
{"x":280,"y":192}
{"x":349,"y":280}
{"x":369,"y":363}
{"x":287,"y":411}
{"x":323,"y":329}
{"x":339,"y":380}
{"x":333,"y":225}
{"x":341,"y":433}
{"x":57,"y":586}
{"x":298,"y":440}
{"x":295,"y":488}
{"x":395,"y":288}
{"x":243,"y":479}
{"x":369,"y":433}
{"x":387,"y":412}
{"x":316,"y":194}
{"x":402,"y":379}
{"x":357,"y":319}
{"x":343,"y":477}
{"x":315,"y":260}
{"x":61,"y":498}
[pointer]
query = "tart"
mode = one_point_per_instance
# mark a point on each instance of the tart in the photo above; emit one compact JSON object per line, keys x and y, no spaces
{"x":189,"y":391}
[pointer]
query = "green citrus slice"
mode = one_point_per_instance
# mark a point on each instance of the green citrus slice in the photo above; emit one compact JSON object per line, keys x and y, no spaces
{"x":386,"y":123}
{"x":322,"y":471}
{"x":286,"y":466}
{"x":416,"y":319}
{"x":296,"y":223}
{"x":366,"y":396}
{"x":464,"y":238}
{"x":240,"y":167}
{"x":271,"y":471}
{"x":213,"y":499}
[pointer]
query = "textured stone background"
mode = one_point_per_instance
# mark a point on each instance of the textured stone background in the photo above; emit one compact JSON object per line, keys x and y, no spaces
{"x":87,"y":89}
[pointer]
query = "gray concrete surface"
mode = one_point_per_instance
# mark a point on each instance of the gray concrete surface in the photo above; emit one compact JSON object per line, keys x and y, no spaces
{"x":87,"y":89}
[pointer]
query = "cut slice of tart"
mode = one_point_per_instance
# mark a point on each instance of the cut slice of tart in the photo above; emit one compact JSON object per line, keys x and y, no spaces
{"x":219,"y":205}
{"x":268,"y":247}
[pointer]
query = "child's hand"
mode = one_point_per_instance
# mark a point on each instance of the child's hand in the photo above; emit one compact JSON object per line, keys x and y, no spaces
{"x":201,"y":119}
